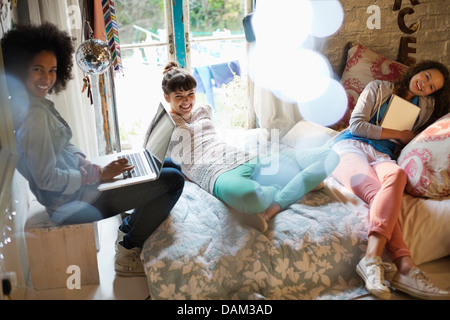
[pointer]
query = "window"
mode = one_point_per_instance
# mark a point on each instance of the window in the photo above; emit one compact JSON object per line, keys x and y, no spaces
{"x":151,"y":34}
{"x":145,"y":51}
{"x":218,"y":58}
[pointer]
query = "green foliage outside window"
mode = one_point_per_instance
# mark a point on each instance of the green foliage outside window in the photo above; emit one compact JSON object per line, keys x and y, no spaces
{"x":205,"y":17}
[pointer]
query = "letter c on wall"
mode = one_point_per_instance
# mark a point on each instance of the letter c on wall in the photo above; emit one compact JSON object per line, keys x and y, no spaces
{"x":401,"y":21}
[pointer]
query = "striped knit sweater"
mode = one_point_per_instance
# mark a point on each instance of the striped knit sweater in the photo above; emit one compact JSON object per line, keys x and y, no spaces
{"x":203,"y":156}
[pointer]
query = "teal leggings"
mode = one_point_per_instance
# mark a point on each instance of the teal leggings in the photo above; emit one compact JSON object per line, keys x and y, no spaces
{"x":283,"y":178}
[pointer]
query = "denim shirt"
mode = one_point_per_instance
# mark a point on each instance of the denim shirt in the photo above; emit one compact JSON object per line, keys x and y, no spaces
{"x":47,"y":159}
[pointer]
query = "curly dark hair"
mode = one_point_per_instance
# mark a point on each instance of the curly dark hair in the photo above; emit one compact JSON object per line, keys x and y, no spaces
{"x":441,"y":97}
{"x":21,"y":44}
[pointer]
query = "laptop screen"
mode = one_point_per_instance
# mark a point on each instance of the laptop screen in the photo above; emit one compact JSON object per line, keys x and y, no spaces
{"x":159,"y":134}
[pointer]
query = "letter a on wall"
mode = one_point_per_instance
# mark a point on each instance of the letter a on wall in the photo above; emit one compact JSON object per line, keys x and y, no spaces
{"x":374,"y":21}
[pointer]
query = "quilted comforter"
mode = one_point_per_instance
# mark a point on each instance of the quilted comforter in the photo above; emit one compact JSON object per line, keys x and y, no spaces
{"x":310,"y":251}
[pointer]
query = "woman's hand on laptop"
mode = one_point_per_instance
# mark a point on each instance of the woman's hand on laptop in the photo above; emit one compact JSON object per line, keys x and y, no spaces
{"x":115,"y":168}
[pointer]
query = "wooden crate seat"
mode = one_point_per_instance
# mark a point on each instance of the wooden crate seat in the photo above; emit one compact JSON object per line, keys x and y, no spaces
{"x":60,"y":256}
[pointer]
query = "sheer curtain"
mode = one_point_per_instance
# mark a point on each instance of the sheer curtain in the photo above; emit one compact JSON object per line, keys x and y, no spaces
{"x":73,"y":105}
{"x":270,"y":112}
{"x":266,"y":110}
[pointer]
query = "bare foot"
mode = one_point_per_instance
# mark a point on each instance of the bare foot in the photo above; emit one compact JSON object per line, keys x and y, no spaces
{"x":271,"y":211}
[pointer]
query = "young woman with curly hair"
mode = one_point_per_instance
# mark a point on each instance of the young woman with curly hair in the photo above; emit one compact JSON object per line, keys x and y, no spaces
{"x":38,"y":62}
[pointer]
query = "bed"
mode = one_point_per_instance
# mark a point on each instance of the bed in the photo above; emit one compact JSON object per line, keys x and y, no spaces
{"x":310,"y":251}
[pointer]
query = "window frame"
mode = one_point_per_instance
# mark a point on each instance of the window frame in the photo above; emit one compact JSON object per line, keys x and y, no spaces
{"x":178,"y":40}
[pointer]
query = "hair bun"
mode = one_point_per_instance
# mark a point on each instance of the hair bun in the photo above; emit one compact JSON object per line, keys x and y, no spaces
{"x":170,"y":66}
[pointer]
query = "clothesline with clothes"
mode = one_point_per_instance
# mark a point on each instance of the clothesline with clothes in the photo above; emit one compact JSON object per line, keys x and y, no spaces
{"x":216,"y":75}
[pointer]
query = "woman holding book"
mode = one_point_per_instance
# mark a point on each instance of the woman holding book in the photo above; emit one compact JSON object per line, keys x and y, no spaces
{"x":368,"y":168}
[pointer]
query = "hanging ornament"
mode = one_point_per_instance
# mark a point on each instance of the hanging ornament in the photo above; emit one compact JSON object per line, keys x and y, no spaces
{"x":93,"y":56}
{"x":112,"y":33}
{"x":87,"y":85}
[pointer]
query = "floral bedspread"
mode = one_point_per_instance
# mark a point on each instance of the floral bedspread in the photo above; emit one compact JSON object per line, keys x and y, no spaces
{"x":203,"y":252}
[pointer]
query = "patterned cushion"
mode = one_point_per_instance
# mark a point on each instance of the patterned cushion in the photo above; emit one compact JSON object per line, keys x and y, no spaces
{"x":363,"y":66}
{"x":426,"y":160}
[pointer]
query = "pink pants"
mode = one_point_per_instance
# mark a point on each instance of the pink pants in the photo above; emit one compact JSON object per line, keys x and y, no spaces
{"x":380,"y":183}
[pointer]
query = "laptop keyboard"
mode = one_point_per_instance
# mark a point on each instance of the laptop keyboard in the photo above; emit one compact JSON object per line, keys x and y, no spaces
{"x":135,"y":160}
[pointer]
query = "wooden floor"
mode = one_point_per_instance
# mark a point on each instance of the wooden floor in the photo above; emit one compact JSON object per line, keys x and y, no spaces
{"x":112,"y":287}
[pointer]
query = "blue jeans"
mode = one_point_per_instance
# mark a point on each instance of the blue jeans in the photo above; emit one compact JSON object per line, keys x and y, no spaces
{"x":152,"y":202}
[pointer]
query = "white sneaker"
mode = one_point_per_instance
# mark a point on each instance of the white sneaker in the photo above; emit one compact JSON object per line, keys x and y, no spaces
{"x":417,"y":284}
{"x":372,"y":272}
{"x":128,"y":262}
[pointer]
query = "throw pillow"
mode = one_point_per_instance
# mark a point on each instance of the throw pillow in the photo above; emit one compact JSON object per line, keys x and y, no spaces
{"x":362,"y":66}
{"x":426,"y":161}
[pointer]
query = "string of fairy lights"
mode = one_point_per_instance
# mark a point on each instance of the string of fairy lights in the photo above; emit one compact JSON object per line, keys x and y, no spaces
{"x":6,"y":217}
{"x":8,"y":278}
{"x":7,"y":230}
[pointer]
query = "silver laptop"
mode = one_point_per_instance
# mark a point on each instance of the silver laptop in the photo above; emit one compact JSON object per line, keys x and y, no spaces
{"x":147,"y":161}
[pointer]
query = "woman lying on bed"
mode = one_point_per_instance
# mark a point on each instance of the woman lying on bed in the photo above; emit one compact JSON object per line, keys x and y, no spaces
{"x":257,"y":186}
{"x":368,"y":168}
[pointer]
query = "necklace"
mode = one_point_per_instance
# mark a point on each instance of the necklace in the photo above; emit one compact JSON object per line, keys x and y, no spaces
{"x":187,"y":121}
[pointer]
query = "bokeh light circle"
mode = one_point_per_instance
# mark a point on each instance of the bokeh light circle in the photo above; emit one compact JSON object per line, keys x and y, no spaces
{"x":328,"y":16}
{"x":328,"y":108}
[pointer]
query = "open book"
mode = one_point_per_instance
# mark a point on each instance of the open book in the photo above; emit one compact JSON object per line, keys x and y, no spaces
{"x":400,"y":114}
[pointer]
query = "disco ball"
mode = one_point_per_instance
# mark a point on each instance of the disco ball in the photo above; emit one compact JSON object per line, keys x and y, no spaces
{"x":93,"y":56}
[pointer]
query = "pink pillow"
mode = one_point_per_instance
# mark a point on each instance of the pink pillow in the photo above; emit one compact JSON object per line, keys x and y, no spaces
{"x":363,"y":66}
{"x":426,"y":161}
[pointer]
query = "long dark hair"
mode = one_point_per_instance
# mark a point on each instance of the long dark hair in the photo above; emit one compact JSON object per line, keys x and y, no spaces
{"x":441,"y":97}
{"x":176,"y":78}
{"x":21,"y":44}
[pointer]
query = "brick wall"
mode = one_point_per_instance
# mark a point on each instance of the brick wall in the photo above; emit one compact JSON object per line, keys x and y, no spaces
{"x":432,"y":36}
